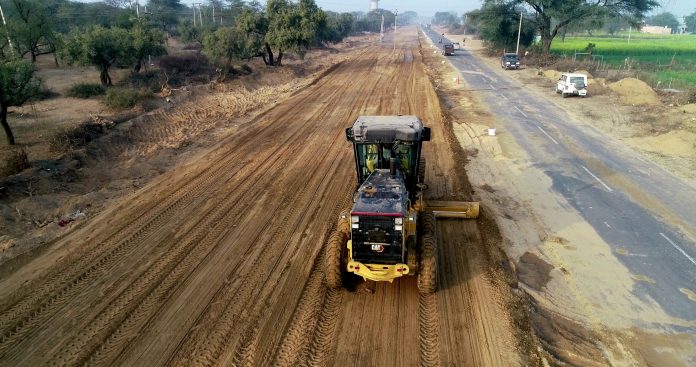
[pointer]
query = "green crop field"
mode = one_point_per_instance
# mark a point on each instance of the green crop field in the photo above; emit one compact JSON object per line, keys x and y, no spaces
{"x":667,"y":57}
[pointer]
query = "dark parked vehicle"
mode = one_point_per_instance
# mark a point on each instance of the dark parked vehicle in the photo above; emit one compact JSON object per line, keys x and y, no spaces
{"x":448,"y":49}
{"x":510,"y":61}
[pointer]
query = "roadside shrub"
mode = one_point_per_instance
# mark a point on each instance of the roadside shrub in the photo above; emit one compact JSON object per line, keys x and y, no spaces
{"x":44,"y":94}
{"x":151,"y":80}
{"x":86,"y":90}
{"x":122,"y":98}
{"x":74,"y":137}
{"x":183,"y":67}
{"x":691,"y":95}
{"x":15,"y":162}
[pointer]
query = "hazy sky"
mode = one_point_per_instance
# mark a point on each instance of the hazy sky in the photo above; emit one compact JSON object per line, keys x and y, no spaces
{"x":429,"y":7}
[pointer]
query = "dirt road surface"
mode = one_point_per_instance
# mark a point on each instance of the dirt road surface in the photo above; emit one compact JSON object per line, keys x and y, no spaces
{"x":217,"y":262}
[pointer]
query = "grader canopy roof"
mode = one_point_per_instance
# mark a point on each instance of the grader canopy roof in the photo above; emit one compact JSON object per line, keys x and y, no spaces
{"x":387,"y":129}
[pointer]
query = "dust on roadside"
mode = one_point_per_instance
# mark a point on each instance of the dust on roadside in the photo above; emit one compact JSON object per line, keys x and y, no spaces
{"x":120,"y":153}
{"x":543,"y":337}
{"x":501,"y":270}
{"x":660,"y":125}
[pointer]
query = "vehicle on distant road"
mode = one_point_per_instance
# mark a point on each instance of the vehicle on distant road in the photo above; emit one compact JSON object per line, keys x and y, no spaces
{"x":510,"y":61}
{"x":572,"y":84}
{"x":448,"y":49}
{"x":456,"y":45}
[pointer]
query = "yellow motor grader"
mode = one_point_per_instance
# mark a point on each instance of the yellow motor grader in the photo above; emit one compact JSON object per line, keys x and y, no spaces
{"x":390,"y":230}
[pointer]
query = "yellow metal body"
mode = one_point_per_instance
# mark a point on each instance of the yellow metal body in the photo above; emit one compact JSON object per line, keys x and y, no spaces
{"x":376,"y":272}
{"x":387,"y":273}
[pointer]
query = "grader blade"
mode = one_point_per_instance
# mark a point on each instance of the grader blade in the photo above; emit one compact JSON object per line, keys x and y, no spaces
{"x":453,"y":209}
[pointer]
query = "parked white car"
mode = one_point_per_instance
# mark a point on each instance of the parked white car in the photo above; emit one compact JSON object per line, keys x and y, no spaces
{"x":572,"y":84}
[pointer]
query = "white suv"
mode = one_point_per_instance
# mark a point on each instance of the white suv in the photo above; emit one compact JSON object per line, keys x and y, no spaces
{"x":572,"y":84}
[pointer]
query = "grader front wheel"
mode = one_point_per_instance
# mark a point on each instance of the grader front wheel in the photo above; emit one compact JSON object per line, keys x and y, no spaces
{"x":333,"y":269}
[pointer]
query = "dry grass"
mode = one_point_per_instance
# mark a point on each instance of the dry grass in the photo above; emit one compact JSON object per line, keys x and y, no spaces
{"x":15,"y":161}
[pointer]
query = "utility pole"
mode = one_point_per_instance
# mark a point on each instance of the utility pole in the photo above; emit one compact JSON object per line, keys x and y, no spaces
{"x":396,"y":15}
{"x":381,"y":30}
{"x":213,"y":14}
{"x":137,"y":8}
{"x":200,"y":13}
{"x":519,"y":33}
{"x":193,"y":6}
{"x":9,"y":41}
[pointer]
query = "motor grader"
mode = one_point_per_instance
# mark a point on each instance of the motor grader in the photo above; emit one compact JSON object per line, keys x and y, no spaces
{"x":390,"y":230}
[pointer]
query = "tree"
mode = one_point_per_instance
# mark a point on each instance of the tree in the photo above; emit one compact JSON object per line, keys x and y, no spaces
{"x":665,"y":19}
{"x":253,"y":24}
{"x":17,"y":85}
{"x":615,"y":24}
{"x":448,"y":19}
{"x":228,"y":44}
{"x":690,"y":21}
{"x":146,"y":41}
{"x":100,"y":47}
{"x":408,"y":17}
{"x":498,"y":24}
{"x":32,"y":28}
{"x":551,"y":16}
{"x":166,"y":13}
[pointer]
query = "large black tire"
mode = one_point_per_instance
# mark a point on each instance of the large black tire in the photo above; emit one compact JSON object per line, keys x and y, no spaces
{"x":427,"y":270}
{"x":344,"y":223}
{"x":428,"y":224}
{"x":421,"y":170}
{"x":333,"y":269}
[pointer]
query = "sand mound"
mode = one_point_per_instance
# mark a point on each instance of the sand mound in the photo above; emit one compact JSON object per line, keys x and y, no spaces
{"x":553,"y":75}
{"x":688,"y":108}
{"x":634,"y":91}
{"x":679,"y":142}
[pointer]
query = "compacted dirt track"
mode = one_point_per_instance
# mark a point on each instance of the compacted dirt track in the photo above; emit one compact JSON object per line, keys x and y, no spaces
{"x":219,"y":262}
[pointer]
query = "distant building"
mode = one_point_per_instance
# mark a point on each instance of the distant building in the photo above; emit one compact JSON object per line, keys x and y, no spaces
{"x":654,"y":29}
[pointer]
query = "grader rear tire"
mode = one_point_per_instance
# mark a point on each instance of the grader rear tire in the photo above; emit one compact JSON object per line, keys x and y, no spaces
{"x":427,"y":271}
{"x":428,"y":224}
{"x":333,"y":270}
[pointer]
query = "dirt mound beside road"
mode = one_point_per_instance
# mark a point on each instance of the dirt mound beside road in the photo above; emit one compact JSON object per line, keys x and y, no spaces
{"x":678,"y":142}
{"x":635,"y":92}
{"x":552,"y":75}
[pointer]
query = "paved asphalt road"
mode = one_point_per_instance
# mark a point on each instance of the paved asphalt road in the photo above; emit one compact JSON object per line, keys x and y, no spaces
{"x":551,"y":138}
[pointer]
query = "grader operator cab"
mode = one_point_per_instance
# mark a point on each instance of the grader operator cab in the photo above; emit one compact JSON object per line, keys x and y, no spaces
{"x":390,"y":230}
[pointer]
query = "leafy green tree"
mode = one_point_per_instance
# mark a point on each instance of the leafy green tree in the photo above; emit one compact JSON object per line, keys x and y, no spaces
{"x":551,"y":16}
{"x":372,"y":21}
{"x":146,"y":41}
{"x":448,"y":19}
{"x":166,"y":13}
{"x":335,"y":28}
{"x":690,"y":21}
{"x":190,"y":33}
{"x":222,"y":45}
{"x":498,"y":24}
{"x":408,"y":17}
{"x":615,"y":24}
{"x":665,"y":19}
{"x":32,"y":28}
{"x":253,"y":24}
{"x":17,"y":85}
{"x":98,"y":46}
{"x":284,"y":29}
